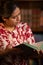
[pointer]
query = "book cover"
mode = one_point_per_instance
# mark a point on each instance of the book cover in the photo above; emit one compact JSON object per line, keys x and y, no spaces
{"x":31,"y":49}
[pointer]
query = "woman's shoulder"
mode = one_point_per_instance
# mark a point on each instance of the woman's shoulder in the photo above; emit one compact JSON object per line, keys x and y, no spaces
{"x":1,"y":25}
{"x":2,"y":29}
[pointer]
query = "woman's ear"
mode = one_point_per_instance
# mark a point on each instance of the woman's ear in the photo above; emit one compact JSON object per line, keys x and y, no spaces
{"x":4,"y":19}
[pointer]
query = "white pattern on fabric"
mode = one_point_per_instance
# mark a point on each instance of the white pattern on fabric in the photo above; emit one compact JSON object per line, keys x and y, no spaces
{"x":22,"y":33}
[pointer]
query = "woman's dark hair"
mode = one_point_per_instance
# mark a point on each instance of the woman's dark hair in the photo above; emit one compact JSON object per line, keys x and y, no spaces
{"x":6,"y":8}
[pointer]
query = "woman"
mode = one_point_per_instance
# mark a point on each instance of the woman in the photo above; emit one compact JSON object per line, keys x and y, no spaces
{"x":12,"y":31}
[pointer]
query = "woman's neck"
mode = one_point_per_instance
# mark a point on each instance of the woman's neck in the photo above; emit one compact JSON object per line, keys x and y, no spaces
{"x":9,"y":28}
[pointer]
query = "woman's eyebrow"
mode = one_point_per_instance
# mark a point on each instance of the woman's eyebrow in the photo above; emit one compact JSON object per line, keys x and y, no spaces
{"x":16,"y":15}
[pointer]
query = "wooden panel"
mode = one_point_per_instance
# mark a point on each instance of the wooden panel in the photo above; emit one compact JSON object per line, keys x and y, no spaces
{"x":28,"y":0}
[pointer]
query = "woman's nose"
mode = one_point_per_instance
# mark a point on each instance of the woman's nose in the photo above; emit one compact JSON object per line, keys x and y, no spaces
{"x":18,"y":18}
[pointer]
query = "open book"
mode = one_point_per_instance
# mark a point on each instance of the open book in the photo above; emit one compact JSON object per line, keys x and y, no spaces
{"x":31,"y":49}
{"x":36,"y":46}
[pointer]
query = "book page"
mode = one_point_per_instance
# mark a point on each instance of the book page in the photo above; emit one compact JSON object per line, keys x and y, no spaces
{"x":39,"y":45}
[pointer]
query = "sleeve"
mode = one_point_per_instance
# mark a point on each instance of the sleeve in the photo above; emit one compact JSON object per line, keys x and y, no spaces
{"x":3,"y":40}
{"x":1,"y":44}
{"x":29,"y":35}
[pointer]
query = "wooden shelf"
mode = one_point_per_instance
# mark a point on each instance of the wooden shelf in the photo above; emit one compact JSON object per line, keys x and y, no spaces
{"x":31,"y":13}
{"x":28,"y":0}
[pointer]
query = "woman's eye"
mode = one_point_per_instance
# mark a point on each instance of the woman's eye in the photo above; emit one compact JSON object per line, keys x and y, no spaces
{"x":16,"y":16}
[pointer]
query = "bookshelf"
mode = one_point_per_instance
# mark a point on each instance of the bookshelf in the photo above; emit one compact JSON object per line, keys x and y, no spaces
{"x":28,"y":0}
{"x":32,"y":14}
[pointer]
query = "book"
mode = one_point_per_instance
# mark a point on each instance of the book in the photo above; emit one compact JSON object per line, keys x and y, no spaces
{"x":28,"y":49}
{"x":35,"y":46}
{"x":38,"y":46}
{"x":31,"y":49}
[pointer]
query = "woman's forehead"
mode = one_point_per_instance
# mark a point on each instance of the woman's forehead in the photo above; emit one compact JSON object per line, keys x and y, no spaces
{"x":16,"y":11}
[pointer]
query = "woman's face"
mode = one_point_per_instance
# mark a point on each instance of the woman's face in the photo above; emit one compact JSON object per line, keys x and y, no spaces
{"x":15,"y":18}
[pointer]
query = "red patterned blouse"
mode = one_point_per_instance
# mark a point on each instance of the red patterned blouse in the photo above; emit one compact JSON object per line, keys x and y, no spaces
{"x":22,"y":33}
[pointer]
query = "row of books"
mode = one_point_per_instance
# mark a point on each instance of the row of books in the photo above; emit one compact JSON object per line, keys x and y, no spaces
{"x":32,"y":16}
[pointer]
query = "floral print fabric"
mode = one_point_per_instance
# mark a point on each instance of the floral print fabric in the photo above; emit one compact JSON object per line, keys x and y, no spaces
{"x":22,"y":33}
